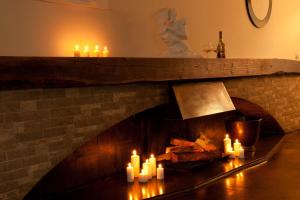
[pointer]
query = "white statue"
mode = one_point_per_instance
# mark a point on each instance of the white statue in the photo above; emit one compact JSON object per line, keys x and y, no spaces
{"x":173,"y":32}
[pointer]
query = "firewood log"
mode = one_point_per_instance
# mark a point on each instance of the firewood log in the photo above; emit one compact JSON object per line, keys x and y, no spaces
{"x":183,"y":149}
{"x":196,"y":156}
{"x":181,"y":142}
{"x":205,"y":143}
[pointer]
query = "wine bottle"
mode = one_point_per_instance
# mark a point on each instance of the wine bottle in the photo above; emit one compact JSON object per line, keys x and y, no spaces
{"x":221,"y":46}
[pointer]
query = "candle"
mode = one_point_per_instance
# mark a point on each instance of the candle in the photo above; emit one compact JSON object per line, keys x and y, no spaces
{"x":77,"y":51}
{"x":147,"y":167}
{"x":231,"y":153}
{"x":160,"y":172}
{"x":86,"y":51}
{"x":97,"y":51}
{"x":242,"y":153}
{"x":105,"y":51}
{"x":227,"y":143}
{"x":143,"y":177}
{"x":130,"y":173}
{"x":153,"y":164}
{"x":236,"y":147}
{"x":135,"y":161}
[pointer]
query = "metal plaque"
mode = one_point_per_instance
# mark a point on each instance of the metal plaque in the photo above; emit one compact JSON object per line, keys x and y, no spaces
{"x":202,"y":98}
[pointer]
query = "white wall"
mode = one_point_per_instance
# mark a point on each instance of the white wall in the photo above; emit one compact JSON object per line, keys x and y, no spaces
{"x":32,"y":28}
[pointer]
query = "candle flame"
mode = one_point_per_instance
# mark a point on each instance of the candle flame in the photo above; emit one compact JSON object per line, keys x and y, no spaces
{"x":159,"y":165}
{"x":152,"y":156}
{"x":129,"y":164}
{"x":86,"y":48}
{"x":147,"y":160}
{"x":105,"y":48}
{"x":134,"y":152}
{"x":236,"y":140}
{"x":226,"y":135}
{"x":77,"y":47}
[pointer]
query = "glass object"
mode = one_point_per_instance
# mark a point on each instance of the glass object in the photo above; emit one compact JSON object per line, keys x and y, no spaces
{"x":208,"y":48}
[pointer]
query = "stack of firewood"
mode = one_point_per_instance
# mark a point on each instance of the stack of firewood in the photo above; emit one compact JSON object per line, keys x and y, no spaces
{"x":184,"y":151}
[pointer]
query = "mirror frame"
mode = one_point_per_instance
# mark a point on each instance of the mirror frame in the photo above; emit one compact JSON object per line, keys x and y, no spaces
{"x":259,"y":23}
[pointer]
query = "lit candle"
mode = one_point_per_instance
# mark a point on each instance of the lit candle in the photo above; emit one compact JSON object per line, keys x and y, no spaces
{"x":135,"y":161}
{"x":231,"y":153}
{"x":97,"y":51}
{"x":147,"y":167}
{"x":236,"y":147}
{"x":153,"y":164}
{"x":242,"y":153}
{"x":227,"y":143}
{"x":130,"y":173}
{"x":143,"y":177}
{"x":86,"y":51}
{"x":105,"y":51}
{"x":160,"y":172}
{"x":77,"y":51}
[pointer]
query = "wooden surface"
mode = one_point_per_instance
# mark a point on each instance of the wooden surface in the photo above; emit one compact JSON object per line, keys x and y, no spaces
{"x":175,"y":184}
{"x":39,"y":72}
{"x":277,"y":180}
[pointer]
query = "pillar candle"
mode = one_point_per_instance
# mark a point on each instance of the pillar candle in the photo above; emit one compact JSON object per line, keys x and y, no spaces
{"x":105,"y":52}
{"x":97,"y":51}
{"x":77,"y":51}
{"x":147,"y":167}
{"x":135,"y":161}
{"x":242,"y":153}
{"x":227,"y":143}
{"x":130,"y":173}
{"x":160,"y":172}
{"x":231,"y":153}
{"x":236,"y":147}
{"x":143,"y":177}
{"x":86,"y":51}
{"x":153,"y":164}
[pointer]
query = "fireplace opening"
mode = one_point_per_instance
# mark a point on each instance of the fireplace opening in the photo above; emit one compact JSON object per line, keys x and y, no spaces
{"x":105,"y":156}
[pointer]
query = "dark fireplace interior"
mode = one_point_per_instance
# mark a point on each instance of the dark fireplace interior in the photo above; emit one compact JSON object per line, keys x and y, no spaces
{"x":106,"y":156}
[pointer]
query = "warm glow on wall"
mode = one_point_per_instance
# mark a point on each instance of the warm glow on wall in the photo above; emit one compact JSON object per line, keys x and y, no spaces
{"x":86,"y":52}
{"x":83,"y":35}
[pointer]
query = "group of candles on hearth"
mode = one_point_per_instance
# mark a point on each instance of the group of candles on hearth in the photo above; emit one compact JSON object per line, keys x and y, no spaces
{"x":237,"y":151}
{"x":87,"y":53}
{"x":148,"y":171}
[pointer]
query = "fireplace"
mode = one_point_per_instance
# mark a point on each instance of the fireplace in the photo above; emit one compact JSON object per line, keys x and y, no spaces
{"x":104,"y":157}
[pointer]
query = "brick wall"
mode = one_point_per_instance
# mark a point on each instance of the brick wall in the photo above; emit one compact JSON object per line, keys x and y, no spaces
{"x":279,"y":95}
{"x":38,"y":128}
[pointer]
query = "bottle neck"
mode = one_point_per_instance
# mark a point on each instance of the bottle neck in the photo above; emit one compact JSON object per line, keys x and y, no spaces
{"x":220,"y":36}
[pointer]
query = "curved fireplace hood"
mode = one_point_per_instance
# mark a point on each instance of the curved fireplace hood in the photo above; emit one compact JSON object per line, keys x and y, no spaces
{"x":202,"y":99}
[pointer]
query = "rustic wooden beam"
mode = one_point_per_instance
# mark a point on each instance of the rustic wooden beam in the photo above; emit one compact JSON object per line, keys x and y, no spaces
{"x":40,"y":72}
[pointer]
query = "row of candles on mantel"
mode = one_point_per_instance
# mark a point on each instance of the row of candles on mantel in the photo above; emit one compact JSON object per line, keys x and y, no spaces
{"x":237,"y":151}
{"x":148,"y":171}
{"x":87,"y":53}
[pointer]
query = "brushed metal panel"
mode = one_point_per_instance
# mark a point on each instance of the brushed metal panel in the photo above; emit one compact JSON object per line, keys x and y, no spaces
{"x":202,"y":98}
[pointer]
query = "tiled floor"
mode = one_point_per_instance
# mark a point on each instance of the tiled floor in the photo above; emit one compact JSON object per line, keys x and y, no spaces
{"x":279,"y":179}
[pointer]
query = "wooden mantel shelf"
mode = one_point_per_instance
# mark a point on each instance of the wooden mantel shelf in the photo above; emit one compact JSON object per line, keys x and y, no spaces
{"x":40,"y":72}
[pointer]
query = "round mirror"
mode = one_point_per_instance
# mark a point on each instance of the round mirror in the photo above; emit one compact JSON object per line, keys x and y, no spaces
{"x":259,"y":11}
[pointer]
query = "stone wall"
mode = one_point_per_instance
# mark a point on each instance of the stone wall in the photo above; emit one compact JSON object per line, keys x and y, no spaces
{"x":38,"y":128}
{"x":279,"y":95}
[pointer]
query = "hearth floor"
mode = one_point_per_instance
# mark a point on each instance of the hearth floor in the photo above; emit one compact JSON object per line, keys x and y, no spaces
{"x":176,"y":182}
{"x":279,"y":179}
